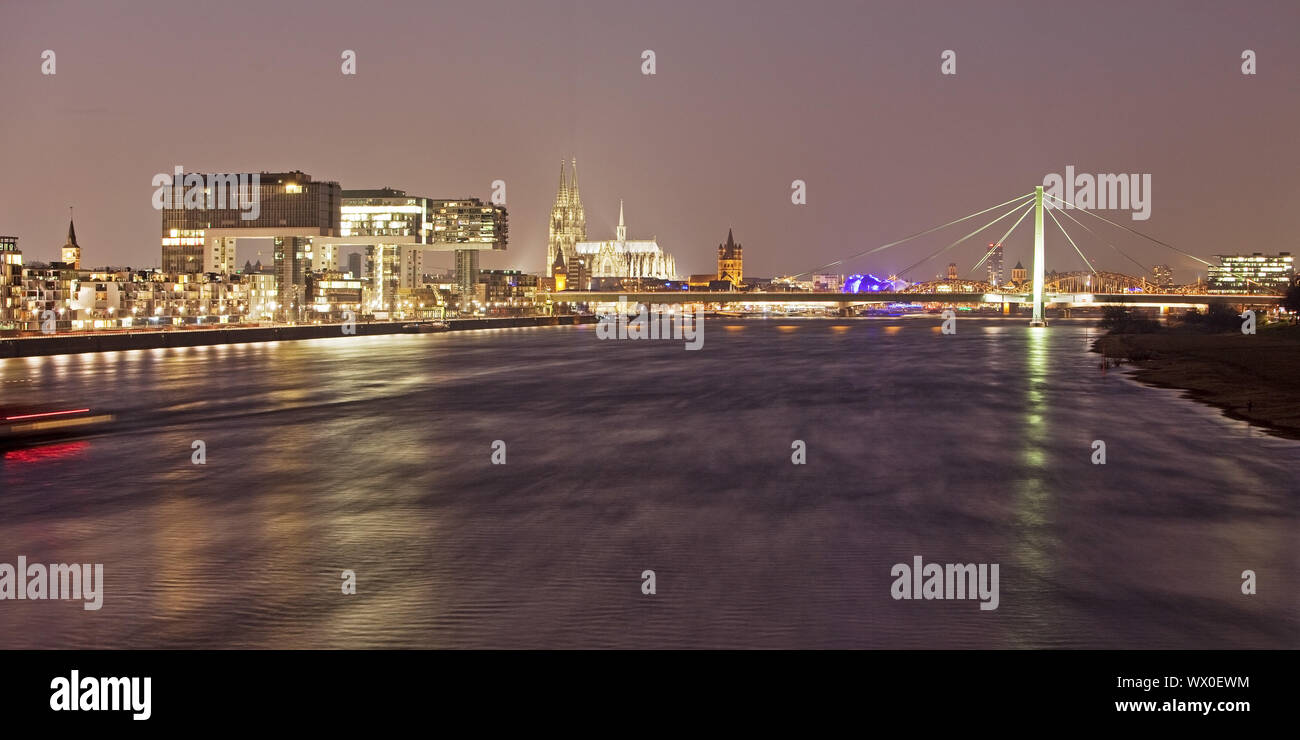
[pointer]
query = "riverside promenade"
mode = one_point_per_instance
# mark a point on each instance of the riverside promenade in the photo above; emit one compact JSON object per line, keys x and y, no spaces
{"x":74,"y":343}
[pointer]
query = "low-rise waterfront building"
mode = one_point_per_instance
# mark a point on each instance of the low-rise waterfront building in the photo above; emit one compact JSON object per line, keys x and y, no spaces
{"x":1253,"y":273}
{"x":507,"y":292}
{"x":334,"y":295}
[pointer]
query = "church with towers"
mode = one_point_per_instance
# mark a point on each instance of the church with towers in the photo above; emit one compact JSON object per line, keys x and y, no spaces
{"x":574,"y":261}
{"x":568,"y":227}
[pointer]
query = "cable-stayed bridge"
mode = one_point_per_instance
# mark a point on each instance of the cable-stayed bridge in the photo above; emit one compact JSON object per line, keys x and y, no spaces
{"x":1089,"y":287}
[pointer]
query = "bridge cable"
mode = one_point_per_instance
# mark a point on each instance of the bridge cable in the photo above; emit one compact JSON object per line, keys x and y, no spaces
{"x":1071,"y":240}
{"x":999,"y":242}
{"x":1121,"y":252}
{"x":1144,"y":236}
{"x":964,"y":238}
{"x":1135,"y":231}
{"x":909,"y":238}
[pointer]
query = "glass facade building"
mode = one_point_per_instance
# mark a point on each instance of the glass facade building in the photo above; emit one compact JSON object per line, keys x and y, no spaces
{"x":373,"y":216}
{"x":283,"y":199}
{"x":1253,"y":273}
{"x":387,"y":212}
{"x":291,"y":202}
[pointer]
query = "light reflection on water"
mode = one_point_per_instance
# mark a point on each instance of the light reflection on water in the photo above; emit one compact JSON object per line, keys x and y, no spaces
{"x":372,"y":454}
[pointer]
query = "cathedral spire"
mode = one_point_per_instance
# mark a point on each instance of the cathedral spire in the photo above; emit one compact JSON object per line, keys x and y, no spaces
{"x":622,"y":228}
{"x":72,"y":232}
{"x":562,"y":194}
{"x":576,"y":196}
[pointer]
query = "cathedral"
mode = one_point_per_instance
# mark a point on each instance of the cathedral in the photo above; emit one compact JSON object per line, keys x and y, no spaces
{"x":568,"y":225}
{"x":577,"y":260}
{"x":638,"y":258}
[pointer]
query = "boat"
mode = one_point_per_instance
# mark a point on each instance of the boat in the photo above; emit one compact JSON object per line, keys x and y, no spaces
{"x":426,"y":327}
{"x":21,"y":426}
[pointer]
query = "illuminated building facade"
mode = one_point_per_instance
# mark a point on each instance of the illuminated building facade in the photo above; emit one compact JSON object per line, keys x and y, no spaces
{"x":994,"y":265}
{"x":559,"y":272}
{"x":397,"y":229}
{"x":11,"y":281}
{"x":828,"y":282}
{"x":1254,"y":273}
{"x":731,"y":263}
{"x":626,"y":258}
{"x":332,"y":295}
{"x":71,"y":251}
{"x":568,"y":224}
{"x":201,"y":239}
{"x":466,"y":271}
{"x":469,"y":222}
{"x":1162,"y":276}
{"x":1019,"y":274}
{"x":506,"y":292}
{"x":291,"y":200}
{"x":411,"y":270}
{"x":289,"y":207}
{"x":46,"y":289}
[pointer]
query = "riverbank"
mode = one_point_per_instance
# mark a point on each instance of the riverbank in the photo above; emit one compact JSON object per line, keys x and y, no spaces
{"x":1249,"y":377}
{"x":64,"y":344}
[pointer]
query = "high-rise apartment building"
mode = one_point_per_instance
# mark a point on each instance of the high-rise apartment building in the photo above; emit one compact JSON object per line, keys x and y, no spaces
{"x":994,"y":265}
{"x":1162,"y":276}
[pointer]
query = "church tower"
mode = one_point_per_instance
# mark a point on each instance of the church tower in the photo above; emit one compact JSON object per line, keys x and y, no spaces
{"x":568,"y":220}
{"x":72,"y":250}
{"x":622,"y":227}
{"x":1018,"y":274}
{"x":560,"y":272}
{"x":731,"y":263}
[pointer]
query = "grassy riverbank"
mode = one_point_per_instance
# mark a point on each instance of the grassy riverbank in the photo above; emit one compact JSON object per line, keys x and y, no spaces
{"x":1251,"y":377}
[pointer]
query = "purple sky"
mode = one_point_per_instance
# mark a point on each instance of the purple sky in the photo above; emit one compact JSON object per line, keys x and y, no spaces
{"x":748,"y":97}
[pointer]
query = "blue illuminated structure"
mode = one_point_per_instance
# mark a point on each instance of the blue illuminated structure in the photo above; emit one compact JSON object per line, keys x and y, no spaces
{"x":866,"y":284}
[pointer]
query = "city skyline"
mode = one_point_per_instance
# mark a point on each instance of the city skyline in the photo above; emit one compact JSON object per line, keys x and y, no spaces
{"x":1213,"y":168}
{"x":931,"y":328}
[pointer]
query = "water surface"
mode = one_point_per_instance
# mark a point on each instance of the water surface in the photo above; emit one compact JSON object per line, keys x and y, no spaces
{"x":373,"y":454}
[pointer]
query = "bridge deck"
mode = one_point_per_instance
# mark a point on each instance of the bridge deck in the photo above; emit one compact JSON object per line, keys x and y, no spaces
{"x":849,"y":299}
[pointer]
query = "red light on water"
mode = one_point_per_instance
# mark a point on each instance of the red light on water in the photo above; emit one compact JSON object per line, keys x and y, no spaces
{"x":47,"y":413}
{"x":48,"y":452}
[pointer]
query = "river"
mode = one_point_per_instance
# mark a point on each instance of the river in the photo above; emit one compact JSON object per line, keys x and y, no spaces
{"x":374,"y":455}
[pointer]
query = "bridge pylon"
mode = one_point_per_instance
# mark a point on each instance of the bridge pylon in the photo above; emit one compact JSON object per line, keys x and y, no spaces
{"x":1038,"y":319}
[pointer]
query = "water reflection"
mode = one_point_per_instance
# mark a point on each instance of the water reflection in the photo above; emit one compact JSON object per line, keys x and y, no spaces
{"x":374,"y":455}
